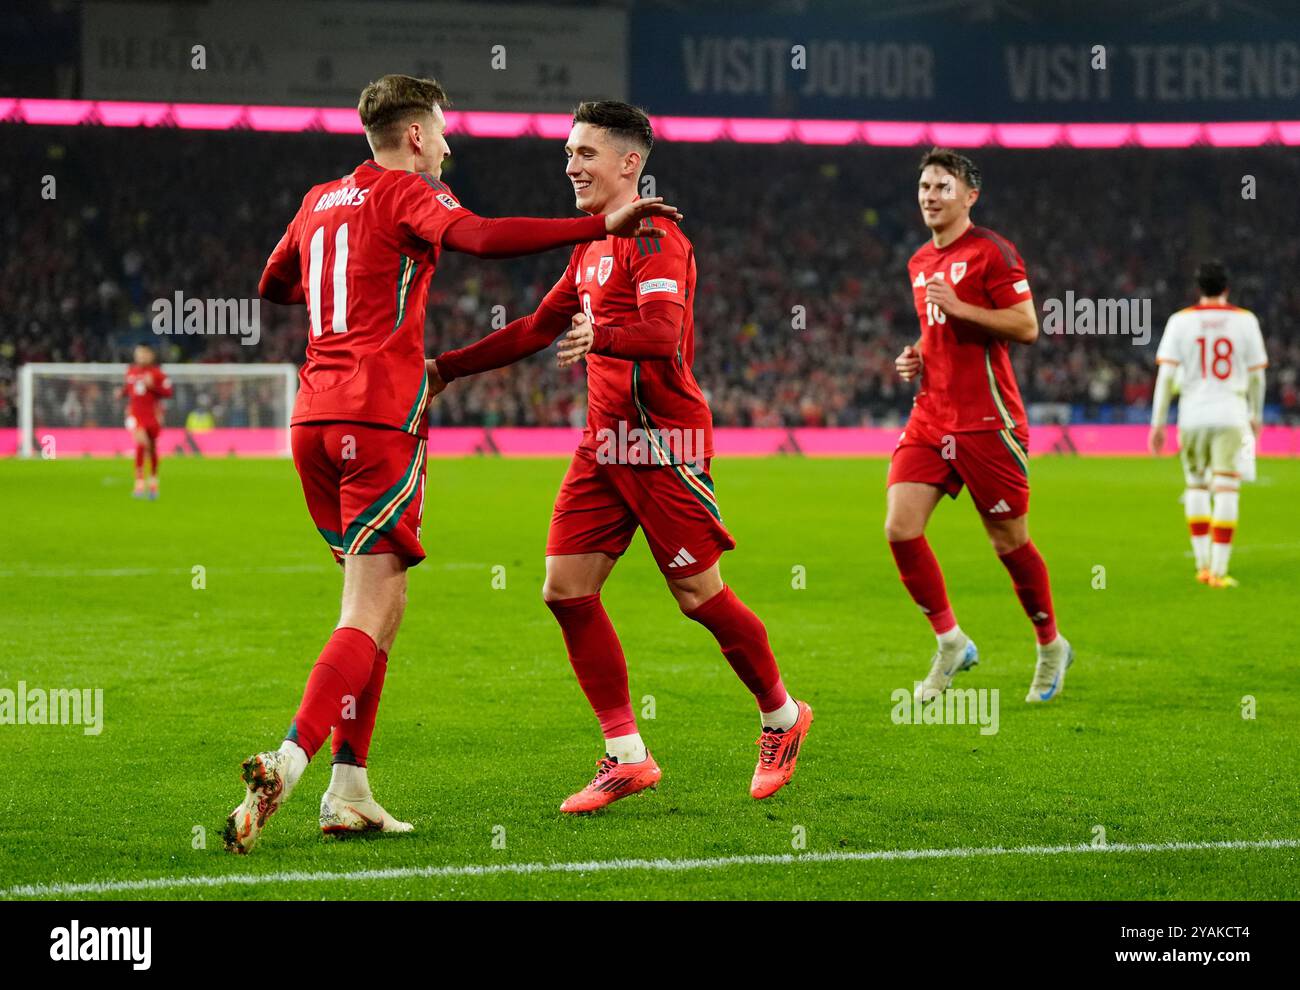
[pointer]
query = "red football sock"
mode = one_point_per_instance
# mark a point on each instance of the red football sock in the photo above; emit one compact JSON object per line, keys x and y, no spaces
{"x":342,"y":671}
{"x":923,"y":580}
{"x":351,"y":740}
{"x":1033,"y":588}
{"x":743,"y":639}
{"x":597,"y":658}
{"x":139,"y":461}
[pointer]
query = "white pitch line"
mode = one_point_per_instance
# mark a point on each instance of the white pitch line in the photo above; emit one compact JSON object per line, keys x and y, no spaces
{"x":611,"y":865}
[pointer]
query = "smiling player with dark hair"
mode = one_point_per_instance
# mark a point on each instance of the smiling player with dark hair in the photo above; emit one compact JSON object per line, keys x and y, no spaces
{"x":968,"y":426}
{"x":627,"y":307}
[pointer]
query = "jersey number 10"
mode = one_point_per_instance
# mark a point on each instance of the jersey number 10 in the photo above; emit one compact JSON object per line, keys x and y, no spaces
{"x":339,"y":320}
{"x":1219,"y":356}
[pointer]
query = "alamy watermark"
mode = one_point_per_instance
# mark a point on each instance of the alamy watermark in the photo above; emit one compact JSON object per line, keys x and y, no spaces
{"x":90,"y":944}
{"x":208,"y":317}
{"x":1088,"y":317}
{"x":956,"y":706}
{"x":647,"y":446}
{"x":56,"y":706}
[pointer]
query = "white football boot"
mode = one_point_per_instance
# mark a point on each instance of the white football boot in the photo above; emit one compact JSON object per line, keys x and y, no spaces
{"x":947,"y":662}
{"x":340,"y":815}
{"x":269,"y":786}
{"x":1054,"y":660}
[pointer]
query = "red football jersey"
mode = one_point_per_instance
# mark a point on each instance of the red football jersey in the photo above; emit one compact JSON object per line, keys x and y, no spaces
{"x":608,"y":280}
{"x":966,"y":378}
{"x":364,"y":248}
{"x":146,"y":385}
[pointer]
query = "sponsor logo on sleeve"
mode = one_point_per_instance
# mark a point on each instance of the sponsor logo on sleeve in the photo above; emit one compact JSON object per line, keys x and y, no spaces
{"x":1022,"y":286}
{"x":448,"y":202}
{"x":657,"y":285}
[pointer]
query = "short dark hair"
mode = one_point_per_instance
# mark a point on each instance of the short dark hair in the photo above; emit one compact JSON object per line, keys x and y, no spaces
{"x":627,"y":123}
{"x":951,"y":161}
{"x":1212,"y":278}
{"x":391,"y":102}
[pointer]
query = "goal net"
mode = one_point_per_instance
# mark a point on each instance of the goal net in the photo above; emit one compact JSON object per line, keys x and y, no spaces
{"x":216,"y":410}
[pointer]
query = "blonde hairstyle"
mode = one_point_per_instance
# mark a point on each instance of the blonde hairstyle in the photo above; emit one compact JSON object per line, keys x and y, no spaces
{"x":391,"y":102}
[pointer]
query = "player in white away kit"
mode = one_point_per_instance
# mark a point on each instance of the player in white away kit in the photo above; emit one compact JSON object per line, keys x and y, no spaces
{"x":1212,"y":354}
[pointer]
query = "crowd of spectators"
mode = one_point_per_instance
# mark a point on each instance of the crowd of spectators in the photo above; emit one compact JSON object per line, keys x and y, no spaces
{"x":802,"y":302}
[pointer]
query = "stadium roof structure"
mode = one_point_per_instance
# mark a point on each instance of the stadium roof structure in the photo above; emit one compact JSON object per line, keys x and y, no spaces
{"x":741,"y":130}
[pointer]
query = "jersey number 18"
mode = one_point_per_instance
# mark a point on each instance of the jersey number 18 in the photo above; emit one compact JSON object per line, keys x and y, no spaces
{"x":1220,"y":358}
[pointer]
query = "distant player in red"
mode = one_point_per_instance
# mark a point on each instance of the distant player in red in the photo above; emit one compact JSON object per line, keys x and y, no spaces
{"x":643,"y":461}
{"x":968,"y":425}
{"x":146,"y":385}
{"x":360,"y":254}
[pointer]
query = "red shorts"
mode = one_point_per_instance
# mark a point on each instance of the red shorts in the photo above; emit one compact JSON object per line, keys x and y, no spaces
{"x":993,"y":464}
{"x":364,"y":487}
{"x":600,"y":506}
{"x":151,"y":427}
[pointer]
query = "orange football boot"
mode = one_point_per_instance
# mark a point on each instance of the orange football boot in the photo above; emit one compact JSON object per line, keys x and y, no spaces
{"x":613,"y":780}
{"x":1203,"y":575}
{"x":778,"y":752}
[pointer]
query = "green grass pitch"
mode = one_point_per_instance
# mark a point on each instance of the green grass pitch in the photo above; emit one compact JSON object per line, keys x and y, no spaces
{"x":483,"y":730}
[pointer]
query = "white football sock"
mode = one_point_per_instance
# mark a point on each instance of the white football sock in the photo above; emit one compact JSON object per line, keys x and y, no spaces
{"x":952,"y":637}
{"x":297,"y":760}
{"x":1049,"y":647}
{"x":626,"y":749}
{"x":1225,"y":520}
{"x":1220,"y":554}
{"x":783,"y":718}
{"x":349,"y":782}
{"x":1196,"y":507}
{"x":1201,"y":551}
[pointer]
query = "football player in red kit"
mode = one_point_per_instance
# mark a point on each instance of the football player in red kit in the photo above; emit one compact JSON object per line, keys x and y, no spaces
{"x":643,"y":461}
{"x":968,"y":425}
{"x":146,"y":385}
{"x":360,"y":254}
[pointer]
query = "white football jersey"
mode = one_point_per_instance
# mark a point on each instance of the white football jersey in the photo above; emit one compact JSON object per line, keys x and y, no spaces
{"x":1213,"y":349}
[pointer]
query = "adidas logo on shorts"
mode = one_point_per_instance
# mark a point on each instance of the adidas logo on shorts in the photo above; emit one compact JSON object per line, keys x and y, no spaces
{"x":682,"y":559}
{"x":1000,"y":507}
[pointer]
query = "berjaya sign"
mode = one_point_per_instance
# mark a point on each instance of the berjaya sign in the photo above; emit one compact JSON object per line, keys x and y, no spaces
{"x":489,"y":56}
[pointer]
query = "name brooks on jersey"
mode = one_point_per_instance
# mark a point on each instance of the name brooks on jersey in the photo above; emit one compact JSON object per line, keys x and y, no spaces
{"x":347,"y":196}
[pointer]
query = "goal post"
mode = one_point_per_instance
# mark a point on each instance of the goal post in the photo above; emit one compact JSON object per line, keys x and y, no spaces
{"x":77,"y":409}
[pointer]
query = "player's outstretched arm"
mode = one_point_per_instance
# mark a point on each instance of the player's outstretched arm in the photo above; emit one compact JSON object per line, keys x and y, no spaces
{"x":510,"y":237}
{"x":514,"y":341}
{"x":654,"y":337}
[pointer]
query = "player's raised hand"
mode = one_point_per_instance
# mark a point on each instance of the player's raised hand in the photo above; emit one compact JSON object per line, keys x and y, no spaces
{"x":629,"y":221}
{"x":943,"y":295}
{"x":576,"y":341}
{"x":1156,"y":441}
{"x":908,"y":364}
{"x":436,"y":384}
